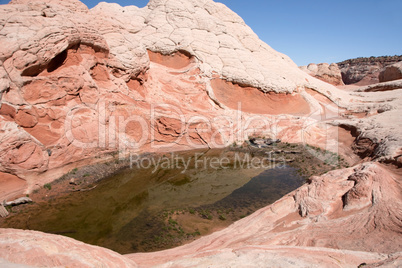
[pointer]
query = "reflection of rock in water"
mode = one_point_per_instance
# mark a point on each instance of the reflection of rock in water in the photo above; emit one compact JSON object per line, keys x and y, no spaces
{"x":138,"y":234}
{"x":204,"y":187}
{"x":125,"y":212}
{"x":263,"y":189}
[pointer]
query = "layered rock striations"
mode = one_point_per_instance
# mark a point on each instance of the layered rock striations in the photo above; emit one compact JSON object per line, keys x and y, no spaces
{"x":365,"y":70}
{"x":78,"y":86}
{"x":74,"y":80}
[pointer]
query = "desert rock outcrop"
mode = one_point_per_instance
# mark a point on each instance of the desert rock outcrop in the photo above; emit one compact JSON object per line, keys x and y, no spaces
{"x":329,"y":73}
{"x":36,"y":249}
{"x":391,"y":72}
{"x":365,"y":70}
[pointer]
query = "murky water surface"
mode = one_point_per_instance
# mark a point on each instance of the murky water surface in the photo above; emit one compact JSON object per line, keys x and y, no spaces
{"x":146,"y":209}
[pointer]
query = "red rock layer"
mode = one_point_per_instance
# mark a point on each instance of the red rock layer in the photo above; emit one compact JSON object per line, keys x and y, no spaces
{"x":253,"y":100}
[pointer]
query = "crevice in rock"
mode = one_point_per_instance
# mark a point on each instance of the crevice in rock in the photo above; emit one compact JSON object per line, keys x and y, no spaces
{"x":364,"y":147}
{"x":373,"y":199}
{"x":344,"y":200}
{"x":53,"y":65}
{"x":352,"y":129}
{"x":397,"y":161}
{"x":57,"y":61}
{"x":33,"y":70}
{"x":202,"y":139}
{"x":63,"y":57}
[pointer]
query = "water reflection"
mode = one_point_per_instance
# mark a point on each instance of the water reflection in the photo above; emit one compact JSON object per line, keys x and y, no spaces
{"x":127,"y":212}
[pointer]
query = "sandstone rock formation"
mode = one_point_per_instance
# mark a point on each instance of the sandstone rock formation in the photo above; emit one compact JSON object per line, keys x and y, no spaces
{"x":136,"y":79}
{"x":365,"y":70}
{"x":391,"y":72}
{"x":70,"y":87}
{"x":79,"y":85}
{"x":329,"y":73}
{"x":36,"y":249}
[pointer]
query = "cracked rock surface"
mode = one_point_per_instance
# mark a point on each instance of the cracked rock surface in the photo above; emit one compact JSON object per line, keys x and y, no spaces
{"x":78,"y":85}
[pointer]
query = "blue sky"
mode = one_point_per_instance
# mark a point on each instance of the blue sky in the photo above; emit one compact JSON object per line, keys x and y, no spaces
{"x":318,"y":30}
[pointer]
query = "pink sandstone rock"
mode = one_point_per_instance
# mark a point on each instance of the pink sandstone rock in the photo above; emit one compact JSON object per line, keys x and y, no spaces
{"x":26,"y":118}
{"x":7,"y":111}
{"x":78,"y":84}
{"x":12,"y":186}
{"x":44,"y":250}
{"x":69,"y":91}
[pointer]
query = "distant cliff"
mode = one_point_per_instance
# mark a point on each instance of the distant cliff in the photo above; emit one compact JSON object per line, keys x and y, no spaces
{"x":365,"y":70}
